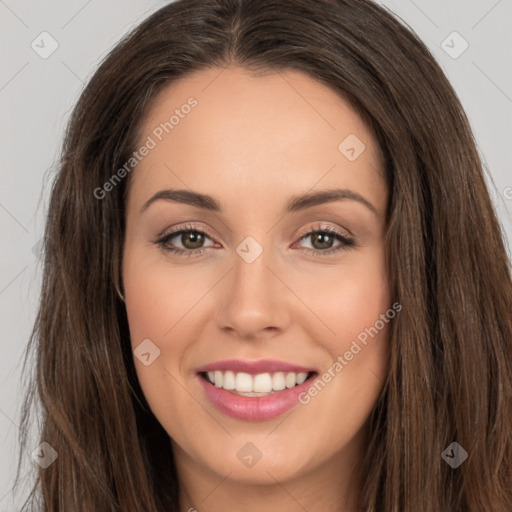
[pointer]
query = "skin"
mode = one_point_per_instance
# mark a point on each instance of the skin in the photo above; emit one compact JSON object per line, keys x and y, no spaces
{"x":253,"y":143}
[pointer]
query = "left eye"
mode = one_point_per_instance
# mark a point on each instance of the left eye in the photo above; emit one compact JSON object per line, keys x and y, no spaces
{"x":325,"y":238}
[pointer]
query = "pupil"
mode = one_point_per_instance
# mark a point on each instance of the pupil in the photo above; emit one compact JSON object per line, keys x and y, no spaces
{"x":323,"y":238}
{"x":196,"y":239}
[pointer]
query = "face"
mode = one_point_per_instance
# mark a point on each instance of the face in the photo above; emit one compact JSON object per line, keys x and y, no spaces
{"x":263,"y":283}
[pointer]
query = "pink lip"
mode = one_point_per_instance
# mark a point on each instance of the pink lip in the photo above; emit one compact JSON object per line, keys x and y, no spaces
{"x":254,"y":408}
{"x":254,"y":367}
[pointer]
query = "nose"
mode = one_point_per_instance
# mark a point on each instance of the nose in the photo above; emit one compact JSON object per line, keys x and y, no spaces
{"x":252,"y":301}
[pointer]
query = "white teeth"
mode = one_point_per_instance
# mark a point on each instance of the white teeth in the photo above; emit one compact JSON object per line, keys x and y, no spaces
{"x":278,"y":382}
{"x":252,"y":385}
{"x":262,"y":383}
{"x":243,"y":382}
{"x":218,"y":379}
{"x":301,"y":377}
{"x":290,"y":380}
{"x":229,"y":381}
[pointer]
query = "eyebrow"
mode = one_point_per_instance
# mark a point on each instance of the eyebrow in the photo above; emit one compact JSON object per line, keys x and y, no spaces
{"x":296,"y":203}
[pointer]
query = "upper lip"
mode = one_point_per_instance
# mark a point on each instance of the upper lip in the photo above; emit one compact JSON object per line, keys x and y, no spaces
{"x":254,"y":367}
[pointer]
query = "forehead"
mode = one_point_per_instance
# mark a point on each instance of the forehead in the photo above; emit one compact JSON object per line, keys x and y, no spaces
{"x":224,"y":129}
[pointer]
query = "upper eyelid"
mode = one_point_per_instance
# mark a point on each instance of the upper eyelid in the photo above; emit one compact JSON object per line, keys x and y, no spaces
{"x":180,"y":229}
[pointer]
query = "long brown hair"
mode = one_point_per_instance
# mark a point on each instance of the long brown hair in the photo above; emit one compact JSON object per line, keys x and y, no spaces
{"x":450,"y":376}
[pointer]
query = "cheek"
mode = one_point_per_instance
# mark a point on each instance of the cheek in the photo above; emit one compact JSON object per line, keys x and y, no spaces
{"x":354,"y":305}
{"x":159,"y":297}
{"x":161,"y":304}
{"x":157,"y":307}
{"x":347,"y":298}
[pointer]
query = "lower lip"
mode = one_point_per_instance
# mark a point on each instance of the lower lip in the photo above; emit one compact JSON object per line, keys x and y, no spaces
{"x":254,"y":408}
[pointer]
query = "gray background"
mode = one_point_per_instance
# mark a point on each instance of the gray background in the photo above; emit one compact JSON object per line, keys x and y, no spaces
{"x":37,"y":95}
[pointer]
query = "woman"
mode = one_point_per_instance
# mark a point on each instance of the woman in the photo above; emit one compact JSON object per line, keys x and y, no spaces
{"x":194,"y":354}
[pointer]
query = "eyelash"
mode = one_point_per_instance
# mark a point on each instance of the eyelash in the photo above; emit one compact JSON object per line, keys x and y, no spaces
{"x":346,"y":242}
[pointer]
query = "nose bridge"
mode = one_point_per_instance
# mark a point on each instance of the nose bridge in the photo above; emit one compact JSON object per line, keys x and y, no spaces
{"x":252,"y":296}
{"x":251,"y":273}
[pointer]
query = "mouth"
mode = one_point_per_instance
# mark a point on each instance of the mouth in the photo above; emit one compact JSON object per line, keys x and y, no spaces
{"x":256,"y":385}
{"x":244,"y":391}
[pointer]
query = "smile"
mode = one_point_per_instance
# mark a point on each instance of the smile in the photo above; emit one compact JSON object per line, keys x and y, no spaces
{"x":242,"y":390}
{"x":261,"y":384}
